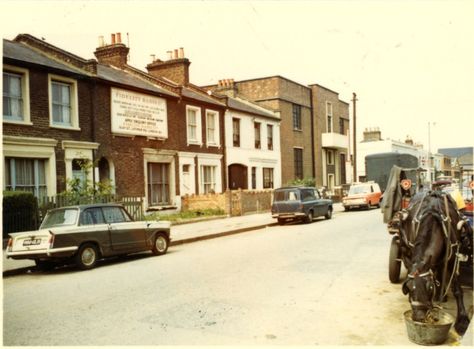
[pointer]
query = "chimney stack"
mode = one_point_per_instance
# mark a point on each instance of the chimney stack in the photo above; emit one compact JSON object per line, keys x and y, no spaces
{"x":115,"y":54}
{"x":372,"y":134}
{"x":176,"y":68}
{"x":227,"y":87}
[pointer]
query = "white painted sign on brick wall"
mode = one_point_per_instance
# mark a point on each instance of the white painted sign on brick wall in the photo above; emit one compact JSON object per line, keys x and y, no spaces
{"x":138,"y":114}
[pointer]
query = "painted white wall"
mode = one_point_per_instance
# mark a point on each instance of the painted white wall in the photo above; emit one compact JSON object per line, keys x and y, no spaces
{"x":246,"y":154}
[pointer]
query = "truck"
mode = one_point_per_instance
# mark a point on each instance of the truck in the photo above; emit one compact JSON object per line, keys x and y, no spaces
{"x":378,"y":166}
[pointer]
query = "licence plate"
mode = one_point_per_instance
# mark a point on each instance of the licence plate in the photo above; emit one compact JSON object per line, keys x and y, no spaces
{"x":31,"y":242}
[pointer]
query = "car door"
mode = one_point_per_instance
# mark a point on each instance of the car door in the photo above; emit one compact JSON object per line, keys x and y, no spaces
{"x":92,"y":226}
{"x":125,"y":235}
{"x":319,"y":204}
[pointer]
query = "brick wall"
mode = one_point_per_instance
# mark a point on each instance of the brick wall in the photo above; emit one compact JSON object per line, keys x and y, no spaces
{"x":235,"y":202}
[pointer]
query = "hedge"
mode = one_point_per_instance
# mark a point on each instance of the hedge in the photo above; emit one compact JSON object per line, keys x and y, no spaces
{"x":20,"y":212}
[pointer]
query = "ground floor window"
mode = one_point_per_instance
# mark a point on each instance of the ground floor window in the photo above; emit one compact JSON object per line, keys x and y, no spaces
{"x":208,"y":176}
{"x":267,"y":178}
{"x":254,"y":178}
{"x":158,"y":183}
{"x":22,"y":174}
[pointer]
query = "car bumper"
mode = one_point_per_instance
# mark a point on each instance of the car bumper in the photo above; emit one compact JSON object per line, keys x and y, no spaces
{"x":52,"y":252}
{"x":292,"y":215}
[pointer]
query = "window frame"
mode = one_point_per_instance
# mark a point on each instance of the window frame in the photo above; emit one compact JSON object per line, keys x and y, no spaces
{"x":36,"y":185}
{"x":235,"y":143}
{"x":216,"y":130}
{"x":329,"y":118}
{"x":212,"y":183}
{"x":198,"y":139}
{"x":271,"y":176}
{"x":296,"y":112}
{"x":25,"y":90}
{"x":269,"y":137}
{"x":298,"y":163}
{"x":73,"y":102}
{"x":257,"y":127}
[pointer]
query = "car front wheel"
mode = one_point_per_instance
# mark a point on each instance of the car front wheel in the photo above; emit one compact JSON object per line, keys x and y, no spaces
{"x":87,"y":256}
{"x":328,"y":214}
{"x":161,"y":244}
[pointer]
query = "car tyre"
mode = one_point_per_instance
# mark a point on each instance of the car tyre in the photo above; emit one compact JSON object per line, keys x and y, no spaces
{"x":347,"y":208}
{"x":281,"y":221}
{"x":328,"y":214}
{"x":160,"y":245}
{"x":309,"y":217}
{"x":87,"y":256}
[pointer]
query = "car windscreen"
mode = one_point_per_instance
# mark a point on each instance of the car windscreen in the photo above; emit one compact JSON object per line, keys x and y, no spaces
{"x":359,"y":189}
{"x":67,"y":216}
{"x":285,"y":195}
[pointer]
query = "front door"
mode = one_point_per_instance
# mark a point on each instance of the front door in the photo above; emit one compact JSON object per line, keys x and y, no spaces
{"x":238,"y":177}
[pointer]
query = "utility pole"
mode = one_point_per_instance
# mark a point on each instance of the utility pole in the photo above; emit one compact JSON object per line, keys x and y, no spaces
{"x":354,"y":139}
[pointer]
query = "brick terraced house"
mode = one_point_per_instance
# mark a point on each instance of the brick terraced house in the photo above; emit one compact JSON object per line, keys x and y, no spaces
{"x":153,"y":134}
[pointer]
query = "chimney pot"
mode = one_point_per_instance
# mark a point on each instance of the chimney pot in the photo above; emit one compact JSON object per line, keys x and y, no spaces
{"x":113,"y":39}
{"x":119,"y":38}
{"x":181,"y":52}
{"x":152,"y":58}
{"x":175,"y":53}
{"x":170,"y":54}
{"x":101,"y":41}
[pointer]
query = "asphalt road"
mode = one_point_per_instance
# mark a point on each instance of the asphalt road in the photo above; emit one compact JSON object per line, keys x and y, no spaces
{"x":323,"y":283}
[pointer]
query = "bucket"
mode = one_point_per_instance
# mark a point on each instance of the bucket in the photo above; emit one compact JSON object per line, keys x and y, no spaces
{"x":426,"y":333}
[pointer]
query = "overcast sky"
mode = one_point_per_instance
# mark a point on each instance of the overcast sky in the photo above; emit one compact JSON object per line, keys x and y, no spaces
{"x":410,"y":63}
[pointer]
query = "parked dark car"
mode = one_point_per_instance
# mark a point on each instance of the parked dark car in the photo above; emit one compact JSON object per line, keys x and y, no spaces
{"x":299,"y":203}
{"x":86,"y":233}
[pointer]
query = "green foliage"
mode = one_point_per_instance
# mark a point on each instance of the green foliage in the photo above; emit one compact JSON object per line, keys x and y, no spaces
{"x":20,"y":212}
{"x":306,"y":182}
{"x":186,"y":215}
{"x":81,"y":190}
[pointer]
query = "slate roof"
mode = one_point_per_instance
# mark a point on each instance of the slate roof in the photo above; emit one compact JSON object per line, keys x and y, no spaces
{"x":248,"y":107}
{"x":189,"y":93}
{"x":22,"y":52}
{"x":456,"y":152}
{"x":121,"y":77}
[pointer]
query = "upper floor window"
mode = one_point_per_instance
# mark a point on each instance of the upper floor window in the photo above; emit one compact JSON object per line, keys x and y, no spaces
{"x":329,"y":116}
{"x":296,"y":117}
{"x":212,"y":128}
{"x":256,"y":127}
{"x":63,"y":102}
{"x":16,"y":95}
{"x":270,"y":137}
{"x":193,"y":121}
{"x":342,"y":131}
{"x":236,"y":132}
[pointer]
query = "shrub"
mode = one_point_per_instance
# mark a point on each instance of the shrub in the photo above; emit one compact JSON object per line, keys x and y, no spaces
{"x":306,"y":182}
{"x":20,"y":212}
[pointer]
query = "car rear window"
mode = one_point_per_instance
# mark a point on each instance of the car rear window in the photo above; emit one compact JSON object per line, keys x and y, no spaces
{"x":359,"y":189}
{"x":286,"y":195}
{"x":60,"y":217}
